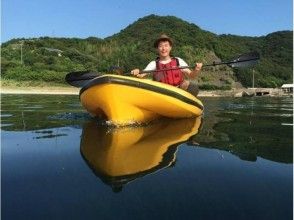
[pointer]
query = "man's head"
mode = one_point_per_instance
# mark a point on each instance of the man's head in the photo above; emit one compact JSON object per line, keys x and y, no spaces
{"x":164,"y":46}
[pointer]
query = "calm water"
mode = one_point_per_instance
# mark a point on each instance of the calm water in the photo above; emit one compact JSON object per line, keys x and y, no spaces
{"x":234,"y":163}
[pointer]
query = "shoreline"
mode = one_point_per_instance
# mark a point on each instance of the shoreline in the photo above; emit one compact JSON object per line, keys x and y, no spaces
{"x":55,"y":90}
{"x":75,"y":91}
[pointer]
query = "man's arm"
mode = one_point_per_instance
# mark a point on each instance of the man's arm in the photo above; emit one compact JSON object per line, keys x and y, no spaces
{"x":190,"y":73}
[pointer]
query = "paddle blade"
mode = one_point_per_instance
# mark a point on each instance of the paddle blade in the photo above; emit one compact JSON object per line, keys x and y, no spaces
{"x":245,"y":60}
{"x":80,"y":78}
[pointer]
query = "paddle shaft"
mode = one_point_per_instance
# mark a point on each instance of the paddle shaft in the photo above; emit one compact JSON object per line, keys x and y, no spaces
{"x":205,"y":65}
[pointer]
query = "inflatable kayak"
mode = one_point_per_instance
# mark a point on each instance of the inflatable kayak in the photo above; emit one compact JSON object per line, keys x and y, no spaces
{"x":118,"y":156}
{"x":126,"y":100}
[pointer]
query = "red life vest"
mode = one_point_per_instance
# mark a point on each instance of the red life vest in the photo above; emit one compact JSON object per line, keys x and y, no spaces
{"x":172,"y":77}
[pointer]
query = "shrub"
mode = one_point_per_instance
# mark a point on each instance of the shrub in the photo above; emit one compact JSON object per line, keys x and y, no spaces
{"x":214,"y":87}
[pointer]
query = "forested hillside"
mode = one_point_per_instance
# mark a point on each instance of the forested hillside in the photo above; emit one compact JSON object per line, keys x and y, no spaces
{"x":50,"y":59}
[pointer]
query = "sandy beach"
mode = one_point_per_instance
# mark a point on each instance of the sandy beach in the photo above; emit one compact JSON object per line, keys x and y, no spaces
{"x":40,"y":90}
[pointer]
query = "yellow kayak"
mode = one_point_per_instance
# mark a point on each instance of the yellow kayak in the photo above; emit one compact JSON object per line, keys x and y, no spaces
{"x":121,"y":155}
{"x":126,"y":100}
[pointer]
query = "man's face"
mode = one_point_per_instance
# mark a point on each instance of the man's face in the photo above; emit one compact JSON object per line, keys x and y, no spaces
{"x":164,"y":48}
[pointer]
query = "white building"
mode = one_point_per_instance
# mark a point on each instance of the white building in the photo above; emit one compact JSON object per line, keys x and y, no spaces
{"x":287,"y":88}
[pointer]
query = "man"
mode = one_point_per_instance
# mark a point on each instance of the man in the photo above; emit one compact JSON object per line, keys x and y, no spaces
{"x":164,"y":61}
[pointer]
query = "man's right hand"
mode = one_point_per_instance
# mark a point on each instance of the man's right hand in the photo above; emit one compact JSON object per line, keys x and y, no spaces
{"x":136,"y":72}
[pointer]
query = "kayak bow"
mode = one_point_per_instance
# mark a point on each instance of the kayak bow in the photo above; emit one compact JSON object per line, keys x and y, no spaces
{"x":126,"y":100}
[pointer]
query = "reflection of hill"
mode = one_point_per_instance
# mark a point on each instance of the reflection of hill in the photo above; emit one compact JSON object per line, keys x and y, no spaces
{"x":119,"y":156}
{"x":251,"y":140}
{"x":34,"y":112}
{"x":251,"y":131}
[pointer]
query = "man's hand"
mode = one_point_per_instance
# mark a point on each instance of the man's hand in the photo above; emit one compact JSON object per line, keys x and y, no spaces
{"x":198,"y":66}
{"x":136,"y":72}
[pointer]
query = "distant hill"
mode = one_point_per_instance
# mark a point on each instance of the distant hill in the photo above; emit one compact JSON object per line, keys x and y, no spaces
{"x":49,"y":59}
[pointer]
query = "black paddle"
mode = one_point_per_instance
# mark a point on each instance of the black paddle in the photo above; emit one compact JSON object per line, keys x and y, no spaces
{"x":242,"y":61}
{"x":81,"y":78}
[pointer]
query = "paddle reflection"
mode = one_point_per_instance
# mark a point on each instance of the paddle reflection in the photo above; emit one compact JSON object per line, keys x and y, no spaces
{"x":118,"y":156}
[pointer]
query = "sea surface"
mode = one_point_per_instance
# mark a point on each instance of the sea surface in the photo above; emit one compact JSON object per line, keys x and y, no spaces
{"x":235,"y":162}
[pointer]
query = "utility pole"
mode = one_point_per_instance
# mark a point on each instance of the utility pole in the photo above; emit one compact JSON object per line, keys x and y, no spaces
{"x":252,"y":78}
{"x":21,"y":60}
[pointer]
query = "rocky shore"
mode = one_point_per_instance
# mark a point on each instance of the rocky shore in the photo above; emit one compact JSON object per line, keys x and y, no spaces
{"x":245,"y":92}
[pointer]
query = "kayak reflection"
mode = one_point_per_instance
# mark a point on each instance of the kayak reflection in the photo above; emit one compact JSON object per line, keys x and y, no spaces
{"x":118,"y":156}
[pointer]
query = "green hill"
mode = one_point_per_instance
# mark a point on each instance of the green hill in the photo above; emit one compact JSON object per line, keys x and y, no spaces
{"x":50,"y":59}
